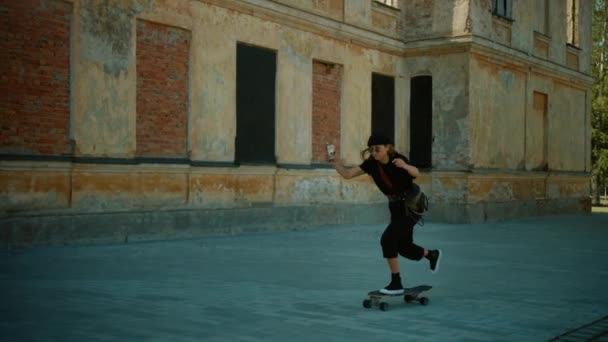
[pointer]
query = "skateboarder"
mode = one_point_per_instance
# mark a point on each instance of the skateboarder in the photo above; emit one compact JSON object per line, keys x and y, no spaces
{"x":394,"y":177}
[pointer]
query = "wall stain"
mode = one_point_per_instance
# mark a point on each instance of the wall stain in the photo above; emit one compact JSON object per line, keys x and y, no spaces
{"x":107,"y":30}
{"x":506,"y":78}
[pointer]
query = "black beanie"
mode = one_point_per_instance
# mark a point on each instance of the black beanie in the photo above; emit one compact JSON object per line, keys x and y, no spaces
{"x":376,"y":139}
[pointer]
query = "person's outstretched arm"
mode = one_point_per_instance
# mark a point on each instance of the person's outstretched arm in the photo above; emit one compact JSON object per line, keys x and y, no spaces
{"x":348,"y":172}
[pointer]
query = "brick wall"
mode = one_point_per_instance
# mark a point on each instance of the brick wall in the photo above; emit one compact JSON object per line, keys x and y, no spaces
{"x":35,"y":77}
{"x":162,"y":90}
{"x":326,"y":90}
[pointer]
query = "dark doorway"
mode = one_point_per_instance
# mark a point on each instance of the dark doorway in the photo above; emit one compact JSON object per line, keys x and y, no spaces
{"x":255,"y":105}
{"x":383,"y":105}
{"x":421,"y":121}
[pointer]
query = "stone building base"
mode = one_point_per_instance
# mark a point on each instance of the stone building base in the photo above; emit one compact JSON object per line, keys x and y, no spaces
{"x":133,"y":226}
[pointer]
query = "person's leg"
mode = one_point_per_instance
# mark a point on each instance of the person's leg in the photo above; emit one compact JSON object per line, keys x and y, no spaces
{"x":393,"y":264}
{"x":409,"y":250}
{"x":414,"y":252}
{"x":389,"y":251}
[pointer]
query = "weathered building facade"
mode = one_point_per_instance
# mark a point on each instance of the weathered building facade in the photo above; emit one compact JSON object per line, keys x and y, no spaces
{"x":128,"y":119}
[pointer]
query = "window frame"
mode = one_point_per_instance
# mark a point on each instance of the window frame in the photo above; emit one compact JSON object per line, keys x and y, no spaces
{"x":393,"y":4}
{"x":573,"y":23}
{"x":507,"y":7}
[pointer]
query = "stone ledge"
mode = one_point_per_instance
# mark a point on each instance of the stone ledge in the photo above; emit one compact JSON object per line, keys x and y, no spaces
{"x":125,"y":227}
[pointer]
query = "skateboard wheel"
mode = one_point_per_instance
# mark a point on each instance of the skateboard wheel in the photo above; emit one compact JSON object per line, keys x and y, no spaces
{"x":383,"y":306}
{"x":367,"y":303}
{"x":424,"y":301}
{"x":409,"y":298}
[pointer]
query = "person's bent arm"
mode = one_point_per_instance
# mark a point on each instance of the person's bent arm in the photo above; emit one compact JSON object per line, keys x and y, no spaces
{"x":411,"y":169}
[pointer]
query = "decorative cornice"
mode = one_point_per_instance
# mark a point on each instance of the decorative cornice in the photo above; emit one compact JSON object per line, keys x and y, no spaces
{"x":298,"y":18}
{"x":527,"y":62}
{"x":308,"y":21}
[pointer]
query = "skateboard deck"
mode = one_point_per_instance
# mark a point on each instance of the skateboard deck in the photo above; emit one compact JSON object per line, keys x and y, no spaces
{"x":410,"y":294}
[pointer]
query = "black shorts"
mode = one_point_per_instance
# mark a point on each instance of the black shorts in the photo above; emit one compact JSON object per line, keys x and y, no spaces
{"x":398,"y":237}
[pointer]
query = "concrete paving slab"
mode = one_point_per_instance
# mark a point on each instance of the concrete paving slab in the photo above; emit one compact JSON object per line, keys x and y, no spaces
{"x":523,"y":280}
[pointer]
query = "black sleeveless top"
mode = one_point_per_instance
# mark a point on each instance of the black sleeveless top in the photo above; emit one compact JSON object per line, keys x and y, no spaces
{"x":390,"y":179}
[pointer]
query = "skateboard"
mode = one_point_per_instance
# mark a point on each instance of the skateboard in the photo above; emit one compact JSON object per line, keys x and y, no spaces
{"x":411,"y":294}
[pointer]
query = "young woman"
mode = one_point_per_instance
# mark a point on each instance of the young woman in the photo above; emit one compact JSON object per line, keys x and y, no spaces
{"x":394,"y":177}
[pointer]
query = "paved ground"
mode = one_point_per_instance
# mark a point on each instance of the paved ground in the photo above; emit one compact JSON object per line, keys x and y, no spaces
{"x":525,"y":280}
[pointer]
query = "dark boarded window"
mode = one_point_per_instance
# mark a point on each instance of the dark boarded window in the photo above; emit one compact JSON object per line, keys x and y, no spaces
{"x":383,"y":105}
{"x":421,"y":121}
{"x":539,"y":115}
{"x":501,"y":8}
{"x":255,"y":105}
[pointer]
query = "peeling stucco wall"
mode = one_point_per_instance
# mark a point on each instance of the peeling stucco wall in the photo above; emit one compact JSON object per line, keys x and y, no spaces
{"x":424,"y":19}
{"x":498,"y":105}
{"x":104,"y":77}
{"x":450,"y":73}
{"x":357,"y":13}
{"x":484,"y":76}
{"x":567,"y":127}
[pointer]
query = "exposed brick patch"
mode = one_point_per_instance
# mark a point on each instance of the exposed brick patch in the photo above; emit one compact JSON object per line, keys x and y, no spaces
{"x":35,"y":77}
{"x":162,"y":90}
{"x":326,"y":90}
